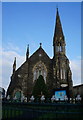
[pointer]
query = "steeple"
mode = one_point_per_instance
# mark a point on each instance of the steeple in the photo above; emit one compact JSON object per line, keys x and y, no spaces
{"x":27,"y":53}
{"x":58,"y":39}
{"x":14,"y":65}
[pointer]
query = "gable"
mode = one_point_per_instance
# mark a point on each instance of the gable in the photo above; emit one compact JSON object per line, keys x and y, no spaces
{"x":40,"y":54}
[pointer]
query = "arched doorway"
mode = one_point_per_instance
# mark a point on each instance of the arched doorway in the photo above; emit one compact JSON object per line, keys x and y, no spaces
{"x":17,"y":94}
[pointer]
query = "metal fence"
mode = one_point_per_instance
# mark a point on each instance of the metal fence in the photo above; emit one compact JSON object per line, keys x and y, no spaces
{"x":42,"y":111}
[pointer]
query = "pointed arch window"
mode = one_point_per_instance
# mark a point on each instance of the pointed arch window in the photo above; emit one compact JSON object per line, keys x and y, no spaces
{"x":39,"y":69}
{"x":62,"y":74}
{"x":63,"y":48}
{"x":58,"y":48}
{"x":34,"y":75}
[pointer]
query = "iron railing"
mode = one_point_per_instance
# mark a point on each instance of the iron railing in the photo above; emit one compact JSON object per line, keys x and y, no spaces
{"x":42,"y":111}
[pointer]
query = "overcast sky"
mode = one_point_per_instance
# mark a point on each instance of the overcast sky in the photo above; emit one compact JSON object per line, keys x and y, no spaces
{"x":32,"y":23}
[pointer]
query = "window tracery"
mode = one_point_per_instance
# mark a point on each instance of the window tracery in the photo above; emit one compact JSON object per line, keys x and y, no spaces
{"x":39,"y":69}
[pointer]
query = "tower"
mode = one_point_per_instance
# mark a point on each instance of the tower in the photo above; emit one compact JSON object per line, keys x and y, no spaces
{"x":58,"y":40}
{"x":61,"y":70}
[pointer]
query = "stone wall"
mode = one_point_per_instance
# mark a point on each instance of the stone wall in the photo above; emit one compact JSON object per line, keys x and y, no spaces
{"x":78,"y":90}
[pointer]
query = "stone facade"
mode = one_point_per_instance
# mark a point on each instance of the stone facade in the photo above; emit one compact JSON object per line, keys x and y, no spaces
{"x":56,"y":71}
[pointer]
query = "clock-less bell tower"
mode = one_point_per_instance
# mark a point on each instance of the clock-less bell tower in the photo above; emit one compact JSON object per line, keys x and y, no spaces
{"x":61,"y":70}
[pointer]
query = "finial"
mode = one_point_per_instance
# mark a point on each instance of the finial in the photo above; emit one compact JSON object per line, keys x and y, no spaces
{"x":15,"y":59}
{"x":27,"y":53}
{"x":28,"y":46}
{"x":28,"y":49}
{"x":57,"y":10}
{"x":14,"y":65}
{"x":57,"y":7}
{"x":40,"y":44}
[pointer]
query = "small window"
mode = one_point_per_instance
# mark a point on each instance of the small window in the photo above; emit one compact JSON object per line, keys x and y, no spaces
{"x":57,"y":48}
{"x":61,"y":74}
{"x":60,"y":48}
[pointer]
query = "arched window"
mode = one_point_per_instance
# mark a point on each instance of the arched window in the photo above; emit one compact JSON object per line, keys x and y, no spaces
{"x":62,"y":73}
{"x":34,"y":75}
{"x":39,"y":69}
{"x":57,"y":73}
{"x":63,"y":48}
{"x":45,"y":75}
{"x":58,"y":48}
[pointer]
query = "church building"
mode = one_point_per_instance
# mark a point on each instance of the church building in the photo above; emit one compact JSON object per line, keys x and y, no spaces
{"x":55,"y":71}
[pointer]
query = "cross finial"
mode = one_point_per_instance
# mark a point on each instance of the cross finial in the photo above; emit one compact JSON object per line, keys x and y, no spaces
{"x":27,"y":49}
{"x":40,"y":44}
{"x":57,"y":7}
{"x":27,"y":53}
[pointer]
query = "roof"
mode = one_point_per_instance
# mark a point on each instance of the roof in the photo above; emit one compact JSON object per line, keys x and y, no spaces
{"x":81,"y":85}
{"x":39,"y":50}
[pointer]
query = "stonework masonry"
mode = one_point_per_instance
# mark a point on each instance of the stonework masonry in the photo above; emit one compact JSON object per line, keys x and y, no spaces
{"x":56,"y":71}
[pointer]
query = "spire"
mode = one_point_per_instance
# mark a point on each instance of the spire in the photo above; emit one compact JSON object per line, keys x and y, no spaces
{"x":58,"y":33}
{"x":14,"y":65}
{"x":58,"y":40}
{"x":27,"y":53}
